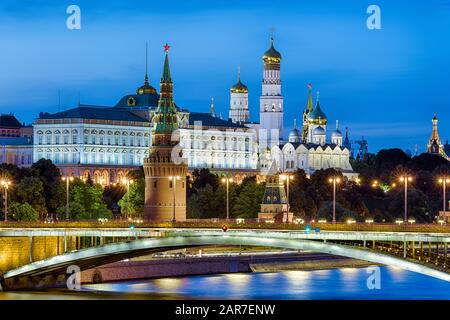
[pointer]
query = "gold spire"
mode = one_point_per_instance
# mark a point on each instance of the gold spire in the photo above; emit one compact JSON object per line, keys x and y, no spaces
{"x":146,"y":88}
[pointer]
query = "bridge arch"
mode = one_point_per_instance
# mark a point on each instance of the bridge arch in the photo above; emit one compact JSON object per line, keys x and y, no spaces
{"x":96,"y":256}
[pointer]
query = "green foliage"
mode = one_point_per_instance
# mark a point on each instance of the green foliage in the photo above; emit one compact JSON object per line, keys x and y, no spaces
{"x":31,"y":190}
{"x":210,"y":203}
{"x":248,"y":200}
{"x":135,"y":197}
{"x":23,"y":212}
{"x":85,"y":202}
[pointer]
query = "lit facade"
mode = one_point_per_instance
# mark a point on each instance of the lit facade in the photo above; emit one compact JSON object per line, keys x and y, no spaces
{"x":435,"y":145}
{"x":107,"y":142}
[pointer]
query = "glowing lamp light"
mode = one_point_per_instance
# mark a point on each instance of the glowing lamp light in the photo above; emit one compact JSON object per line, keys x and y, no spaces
{"x":369,"y":221}
{"x":307,"y":228}
{"x":299,"y":221}
{"x":240,"y":220}
{"x":322,"y":221}
{"x":411,"y":221}
{"x":399,"y":221}
{"x":351,"y":221}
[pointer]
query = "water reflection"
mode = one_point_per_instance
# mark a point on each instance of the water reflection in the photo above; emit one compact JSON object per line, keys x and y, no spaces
{"x":348,"y":283}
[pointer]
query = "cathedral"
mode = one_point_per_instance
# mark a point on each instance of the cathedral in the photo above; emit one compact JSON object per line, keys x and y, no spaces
{"x":106,"y":142}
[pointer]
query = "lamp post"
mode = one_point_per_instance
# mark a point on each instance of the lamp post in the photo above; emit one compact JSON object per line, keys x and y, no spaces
{"x":288,"y":179}
{"x":227,"y":183}
{"x":444,"y":180}
{"x":334,"y":181}
{"x":5,"y":185}
{"x":174,"y":189}
{"x":405,"y":179}
{"x":67,"y":179}
{"x":126,"y":182}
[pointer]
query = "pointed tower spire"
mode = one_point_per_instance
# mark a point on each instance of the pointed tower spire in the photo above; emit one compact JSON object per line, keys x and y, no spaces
{"x":166,"y":113}
{"x":212,"y":109}
{"x":295,"y":123}
{"x":146,"y":88}
{"x":146,"y":64}
{"x":337,"y":124}
{"x":434,"y":144}
{"x":166,"y":77}
{"x":309,"y":104}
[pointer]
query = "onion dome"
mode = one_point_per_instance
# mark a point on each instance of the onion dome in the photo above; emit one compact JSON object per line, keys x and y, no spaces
{"x":319,"y":131}
{"x":294,"y":135}
{"x":317,"y":116}
{"x":239,"y":87}
{"x":271,"y":55}
{"x":336,"y":133}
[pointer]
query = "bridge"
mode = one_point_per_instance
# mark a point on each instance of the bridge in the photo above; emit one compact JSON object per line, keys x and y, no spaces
{"x":420,"y":252}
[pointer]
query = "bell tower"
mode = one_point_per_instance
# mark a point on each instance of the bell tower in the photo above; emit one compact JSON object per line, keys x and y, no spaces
{"x":165,"y":169}
{"x":271,"y":100}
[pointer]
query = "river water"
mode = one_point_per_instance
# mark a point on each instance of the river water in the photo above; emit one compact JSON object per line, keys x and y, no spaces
{"x":344,"y":283}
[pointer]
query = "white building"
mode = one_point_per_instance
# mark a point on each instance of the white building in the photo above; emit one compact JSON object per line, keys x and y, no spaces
{"x":106,"y":142}
{"x":239,"y":111}
{"x":271,"y":100}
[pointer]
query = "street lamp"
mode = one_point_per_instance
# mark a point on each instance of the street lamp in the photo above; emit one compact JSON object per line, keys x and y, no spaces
{"x":126,"y":182}
{"x":227,"y":183}
{"x":375,"y":184}
{"x":288,"y":179}
{"x":174,"y":188}
{"x":5,"y":185}
{"x":67,"y":180}
{"x":334,"y":181}
{"x":444,"y":181}
{"x":405,"y":179}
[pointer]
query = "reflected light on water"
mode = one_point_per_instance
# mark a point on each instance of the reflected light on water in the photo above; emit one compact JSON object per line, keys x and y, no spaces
{"x":168,"y":283}
{"x":238,"y":282}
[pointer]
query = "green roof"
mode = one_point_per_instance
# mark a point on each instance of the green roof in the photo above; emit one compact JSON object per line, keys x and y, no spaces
{"x":317,"y":113}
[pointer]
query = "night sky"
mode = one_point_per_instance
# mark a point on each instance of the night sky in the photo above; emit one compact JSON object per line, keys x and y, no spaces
{"x":383,"y":84}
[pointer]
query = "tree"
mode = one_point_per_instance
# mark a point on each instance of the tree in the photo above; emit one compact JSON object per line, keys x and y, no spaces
{"x":210,"y":203}
{"x":31,"y":191}
{"x":50,"y":176}
{"x":387,"y":160}
{"x":248,"y":201}
{"x":23,"y":212}
{"x":202,"y":178}
{"x":136,"y":199}
{"x":86,"y":202}
{"x":342,"y":214}
{"x":427,"y":162}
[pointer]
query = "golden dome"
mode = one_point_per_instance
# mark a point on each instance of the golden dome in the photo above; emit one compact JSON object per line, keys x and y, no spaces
{"x":271,"y":55}
{"x":146,"y":88}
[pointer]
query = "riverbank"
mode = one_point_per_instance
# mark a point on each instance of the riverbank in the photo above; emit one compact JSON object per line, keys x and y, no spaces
{"x":150,"y":268}
{"x":310,"y":265}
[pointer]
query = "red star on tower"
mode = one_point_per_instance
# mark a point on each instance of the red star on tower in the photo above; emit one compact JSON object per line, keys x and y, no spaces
{"x":166,"y":48}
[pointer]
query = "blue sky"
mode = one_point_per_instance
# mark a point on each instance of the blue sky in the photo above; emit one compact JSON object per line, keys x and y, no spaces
{"x":383,"y":84}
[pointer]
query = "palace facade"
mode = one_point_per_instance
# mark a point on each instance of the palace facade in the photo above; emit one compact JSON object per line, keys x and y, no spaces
{"x":105,"y":142}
